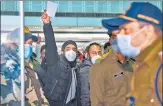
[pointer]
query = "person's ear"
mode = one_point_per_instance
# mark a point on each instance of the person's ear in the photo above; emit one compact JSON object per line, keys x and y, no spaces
{"x":151,"y":36}
{"x":150,"y":32}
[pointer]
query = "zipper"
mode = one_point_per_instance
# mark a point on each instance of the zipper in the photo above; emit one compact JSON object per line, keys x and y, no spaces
{"x":53,"y":87}
{"x":54,"y":83}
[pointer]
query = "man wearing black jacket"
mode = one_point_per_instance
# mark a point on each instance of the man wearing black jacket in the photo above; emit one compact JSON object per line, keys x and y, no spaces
{"x":59,"y":78}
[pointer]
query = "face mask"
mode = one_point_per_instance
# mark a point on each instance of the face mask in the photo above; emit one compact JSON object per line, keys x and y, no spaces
{"x":114,"y":46}
{"x":70,"y":55}
{"x":27,"y":51}
{"x":125,"y":47}
{"x":94,"y":58}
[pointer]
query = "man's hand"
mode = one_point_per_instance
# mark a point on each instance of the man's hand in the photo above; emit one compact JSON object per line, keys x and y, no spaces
{"x":39,"y":39}
{"x":45,"y":18}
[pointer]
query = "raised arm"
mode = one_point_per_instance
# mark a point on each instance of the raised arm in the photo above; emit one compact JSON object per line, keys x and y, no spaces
{"x":51,"y":53}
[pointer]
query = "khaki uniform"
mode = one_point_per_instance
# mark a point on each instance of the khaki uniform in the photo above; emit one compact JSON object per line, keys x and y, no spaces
{"x":109,"y":83}
{"x":34,"y":94}
{"x":99,"y":60}
{"x":145,"y":69}
{"x":11,"y":84}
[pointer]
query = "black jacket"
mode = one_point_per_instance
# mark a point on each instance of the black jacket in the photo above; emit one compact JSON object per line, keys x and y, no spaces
{"x":55,"y":73}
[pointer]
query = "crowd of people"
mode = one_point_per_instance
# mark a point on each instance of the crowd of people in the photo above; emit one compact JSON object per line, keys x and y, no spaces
{"x":125,"y":73}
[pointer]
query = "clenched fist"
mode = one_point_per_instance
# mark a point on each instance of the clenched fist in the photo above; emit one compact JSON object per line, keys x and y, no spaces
{"x":45,"y":18}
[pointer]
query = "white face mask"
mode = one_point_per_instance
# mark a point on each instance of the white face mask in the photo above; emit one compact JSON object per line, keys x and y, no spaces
{"x":70,"y":55}
{"x":94,"y":58}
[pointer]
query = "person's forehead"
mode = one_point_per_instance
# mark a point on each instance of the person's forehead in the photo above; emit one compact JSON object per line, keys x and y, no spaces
{"x":29,"y":41}
{"x":115,"y":32}
{"x":133,"y":24}
{"x":43,"y":50}
{"x":70,"y":46}
{"x":95,"y":48}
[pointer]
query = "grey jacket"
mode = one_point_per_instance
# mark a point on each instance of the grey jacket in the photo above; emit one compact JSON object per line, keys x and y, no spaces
{"x":84,"y":82}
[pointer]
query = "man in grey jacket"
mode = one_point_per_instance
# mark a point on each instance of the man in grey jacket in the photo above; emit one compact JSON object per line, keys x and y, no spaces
{"x":94,"y":52}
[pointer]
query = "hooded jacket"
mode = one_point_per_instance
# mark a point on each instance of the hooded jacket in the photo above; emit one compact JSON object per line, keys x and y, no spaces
{"x":56,"y":72}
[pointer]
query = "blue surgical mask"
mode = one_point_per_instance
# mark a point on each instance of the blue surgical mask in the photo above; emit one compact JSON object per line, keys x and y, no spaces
{"x":125,"y":47}
{"x":27,"y":51}
{"x":114,"y":46}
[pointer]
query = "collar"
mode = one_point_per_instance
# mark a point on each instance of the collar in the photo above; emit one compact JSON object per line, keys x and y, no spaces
{"x":87,"y":62}
{"x":105,"y":57}
{"x":150,"y":53}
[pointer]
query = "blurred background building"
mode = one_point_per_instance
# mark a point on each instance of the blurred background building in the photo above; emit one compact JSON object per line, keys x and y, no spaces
{"x":76,"y":20}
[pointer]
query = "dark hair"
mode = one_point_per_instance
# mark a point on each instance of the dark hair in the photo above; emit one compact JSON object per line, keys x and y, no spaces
{"x":89,"y":46}
{"x":106,"y":45}
{"x":78,"y":53}
{"x":67,"y":43}
{"x":109,"y":33}
{"x":42,"y":48}
{"x":33,"y":57}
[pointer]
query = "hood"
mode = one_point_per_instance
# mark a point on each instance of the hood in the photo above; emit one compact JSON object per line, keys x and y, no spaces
{"x":87,"y":62}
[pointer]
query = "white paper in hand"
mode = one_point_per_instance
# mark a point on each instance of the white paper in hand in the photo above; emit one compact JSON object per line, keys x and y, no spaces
{"x":51,"y":8}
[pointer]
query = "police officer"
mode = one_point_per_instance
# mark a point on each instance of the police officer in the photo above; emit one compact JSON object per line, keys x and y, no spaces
{"x":33,"y":90}
{"x":109,"y":80}
{"x":140,"y":36}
